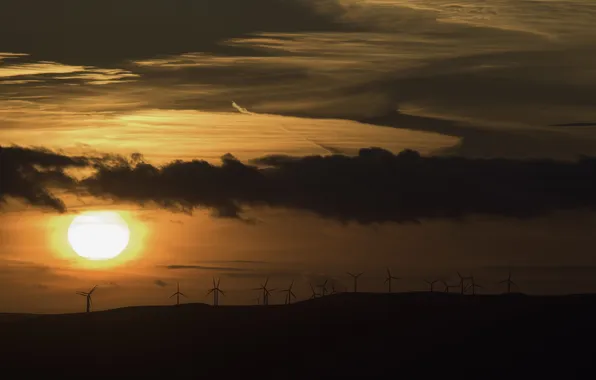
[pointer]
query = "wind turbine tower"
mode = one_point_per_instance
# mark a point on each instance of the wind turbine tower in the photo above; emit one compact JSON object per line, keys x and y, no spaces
{"x":355,"y":276}
{"x":216,"y":292}
{"x":389,"y":279}
{"x":462,"y":282}
{"x":431,"y":284}
{"x":323,"y":287}
{"x":88,"y":296}
{"x":178,"y":294}
{"x":289,"y":294}
{"x":266,"y":292}
{"x":509,"y":282}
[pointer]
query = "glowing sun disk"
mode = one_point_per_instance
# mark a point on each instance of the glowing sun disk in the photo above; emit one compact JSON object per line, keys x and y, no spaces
{"x":98,"y":235}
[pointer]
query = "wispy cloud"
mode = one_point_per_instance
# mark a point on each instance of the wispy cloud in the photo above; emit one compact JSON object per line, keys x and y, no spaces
{"x":40,"y":68}
{"x":206,"y":268}
{"x":46,"y":71}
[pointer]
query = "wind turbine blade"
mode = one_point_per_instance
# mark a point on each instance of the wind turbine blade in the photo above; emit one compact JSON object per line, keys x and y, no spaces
{"x":210,"y":291}
{"x":215,"y":286}
{"x":172,"y":295}
{"x":218,"y":282}
{"x":222,"y":292}
{"x":388,"y":273}
{"x":292,"y":294}
{"x":183,"y":295}
{"x":92,"y":290}
{"x":387,"y":280}
{"x":266,"y":282}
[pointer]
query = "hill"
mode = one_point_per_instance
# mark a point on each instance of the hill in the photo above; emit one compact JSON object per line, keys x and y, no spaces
{"x":413,"y":334}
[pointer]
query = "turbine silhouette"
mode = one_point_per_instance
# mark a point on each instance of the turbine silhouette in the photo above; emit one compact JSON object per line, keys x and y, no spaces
{"x":462,"y":282}
{"x":355,"y":277}
{"x":178,"y":294}
{"x":473,"y":285}
{"x":266,"y":292}
{"x":447,"y":286}
{"x":216,"y":292}
{"x":289,"y":293}
{"x":314,"y":293}
{"x":431,"y":284}
{"x":88,"y":296}
{"x":509,"y":282}
{"x":323,"y":287}
{"x":389,"y":279}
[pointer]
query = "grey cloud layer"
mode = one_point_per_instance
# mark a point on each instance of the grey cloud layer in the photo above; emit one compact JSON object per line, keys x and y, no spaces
{"x":111,"y":31}
{"x":375,"y":186}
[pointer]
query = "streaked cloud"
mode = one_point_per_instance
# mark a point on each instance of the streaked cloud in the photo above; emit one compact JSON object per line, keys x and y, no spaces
{"x":45,"y":72}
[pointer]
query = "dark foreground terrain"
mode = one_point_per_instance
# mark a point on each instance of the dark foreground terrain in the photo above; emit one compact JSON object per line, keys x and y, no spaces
{"x":415,"y":335}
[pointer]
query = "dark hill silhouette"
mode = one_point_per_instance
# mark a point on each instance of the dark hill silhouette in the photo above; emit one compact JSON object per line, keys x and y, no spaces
{"x":415,"y":334}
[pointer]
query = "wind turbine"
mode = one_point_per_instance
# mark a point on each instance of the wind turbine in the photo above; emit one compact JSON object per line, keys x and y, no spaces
{"x":333,"y":290}
{"x":216,"y":291}
{"x":266,"y":292}
{"x":88,"y":296}
{"x":447,"y":286}
{"x":389,"y":279}
{"x":289,"y":294}
{"x":323,"y":288}
{"x":258,"y":299}
{"x":178,"y":294}
{"x":314,"y":292}
{"x":509,"y":282}
{"x":355,"y":277}
{"x":462,"y":282}
{"x":474,"y":285}
{"x":431,"y":284}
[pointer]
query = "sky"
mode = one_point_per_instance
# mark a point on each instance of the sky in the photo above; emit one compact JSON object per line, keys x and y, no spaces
{"x":246,"y":139}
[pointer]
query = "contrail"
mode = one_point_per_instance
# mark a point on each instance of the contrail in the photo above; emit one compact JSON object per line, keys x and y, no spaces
{"x":329,"y":150}
{"x":240,"y":109}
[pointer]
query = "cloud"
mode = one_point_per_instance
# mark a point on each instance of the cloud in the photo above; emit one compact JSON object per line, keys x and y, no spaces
{"x":31,"y":273}
{"x":375,"y":186}
{"x":201,"y":267}
{"x":28,"y":174}
{"x":240,"y":261}
{"x":160,"y":283}
{"x":22,"y":71}
{"x":76,"y":32}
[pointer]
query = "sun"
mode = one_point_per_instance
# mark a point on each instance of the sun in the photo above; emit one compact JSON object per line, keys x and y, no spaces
{"x":99,"y":235}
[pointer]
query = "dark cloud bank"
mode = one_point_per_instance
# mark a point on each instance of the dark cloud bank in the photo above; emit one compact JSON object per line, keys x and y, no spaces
{"x":110,"y":31}
{"x":375,"y":186}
